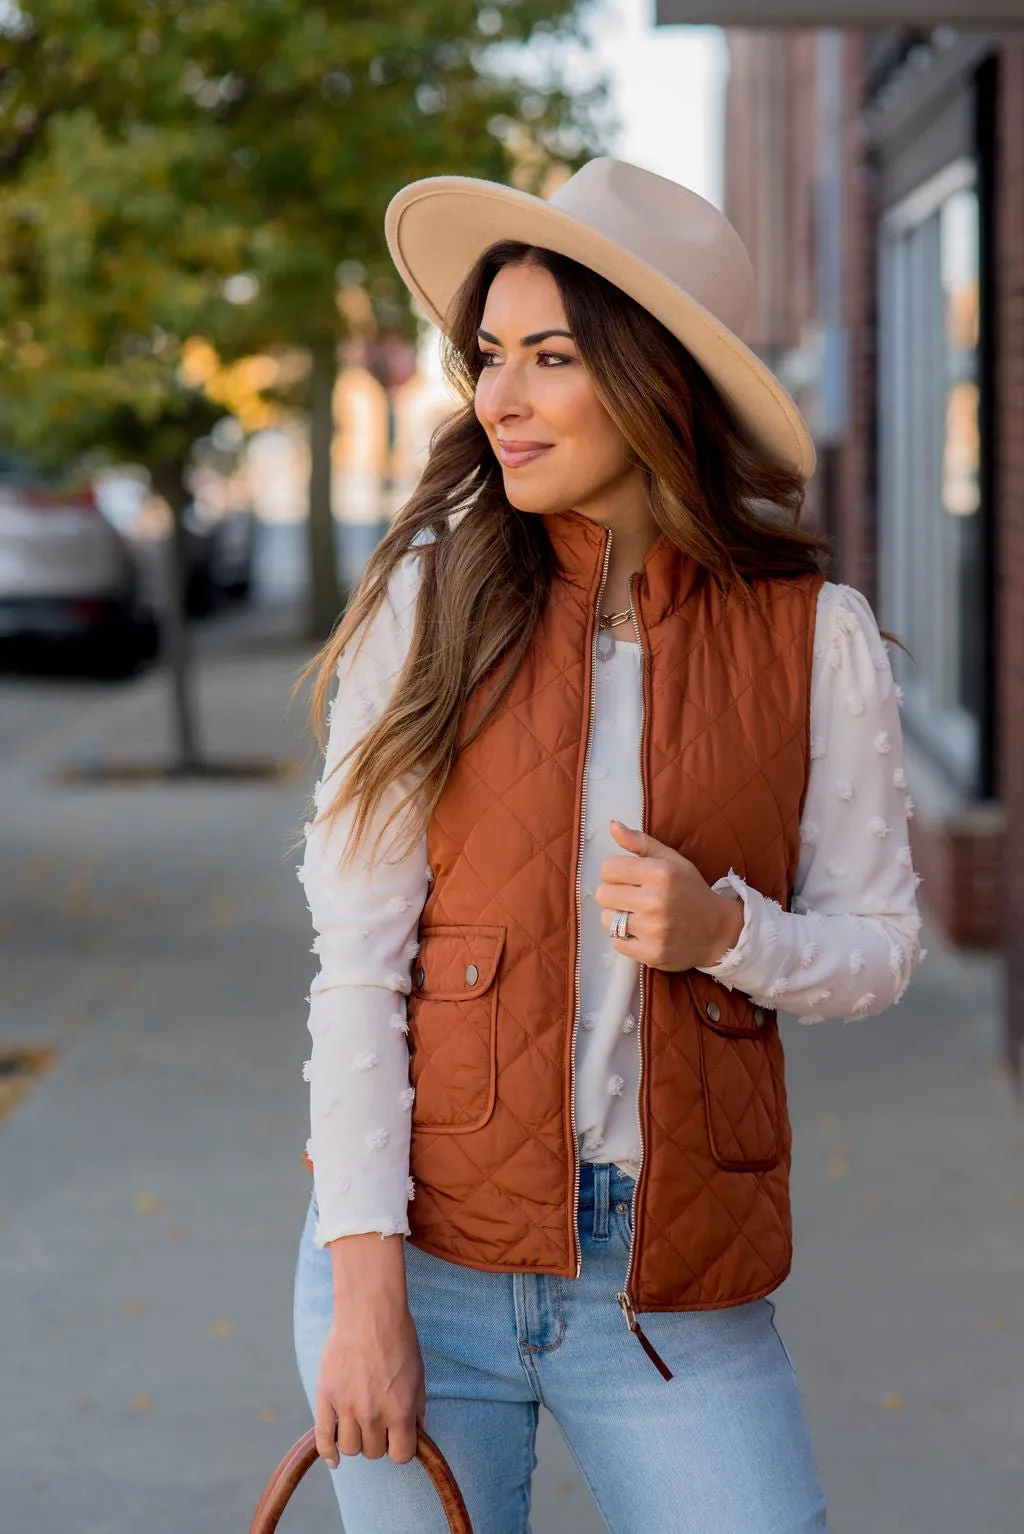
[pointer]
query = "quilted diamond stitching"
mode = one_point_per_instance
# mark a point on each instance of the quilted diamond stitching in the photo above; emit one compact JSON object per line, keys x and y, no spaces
{"x":756,"y":716}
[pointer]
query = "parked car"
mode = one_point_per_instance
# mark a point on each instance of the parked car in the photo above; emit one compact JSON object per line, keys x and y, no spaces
{"x":70,"y":592}
{"x":220,"y":556}
{"x":218,"y":543}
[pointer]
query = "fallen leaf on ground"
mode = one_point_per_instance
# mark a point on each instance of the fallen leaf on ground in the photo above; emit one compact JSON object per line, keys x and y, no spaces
{"x":268,"y":1414}
{"x":838,"y":1167}
{"x":132,"y":1307}
{"x":141,"y":1403}
{"x":148,"y":1203}
{"x":892,"y":1403}
{"x":221,"y":913}
{"x":222,"y":1329}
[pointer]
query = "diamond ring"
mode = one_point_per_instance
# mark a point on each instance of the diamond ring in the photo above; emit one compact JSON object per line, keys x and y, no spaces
{"x":620,"y":925}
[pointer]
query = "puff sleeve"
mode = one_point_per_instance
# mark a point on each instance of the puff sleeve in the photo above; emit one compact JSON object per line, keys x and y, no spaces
{"x":365,"y":919}
{"x":849,"y":943}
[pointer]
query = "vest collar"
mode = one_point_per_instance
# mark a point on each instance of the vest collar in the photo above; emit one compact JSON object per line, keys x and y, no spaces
{"x":668,"y":576}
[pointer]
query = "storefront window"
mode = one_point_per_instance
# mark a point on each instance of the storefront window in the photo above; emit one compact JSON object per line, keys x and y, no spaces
{"x":931,"y":545}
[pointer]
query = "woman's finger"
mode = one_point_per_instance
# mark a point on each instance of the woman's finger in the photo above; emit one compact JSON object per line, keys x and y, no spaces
{"x":327,"y":1429}
{"x":402,"y":1443}
{"x":638,"y":920}
{"x":375,"y":1439}
{"x":640,"y":944}
{"x":623,"y":897}
{"x":350,"y":1438}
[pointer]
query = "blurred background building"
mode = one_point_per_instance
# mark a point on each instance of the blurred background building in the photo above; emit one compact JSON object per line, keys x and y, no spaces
{"x":877,"y":175}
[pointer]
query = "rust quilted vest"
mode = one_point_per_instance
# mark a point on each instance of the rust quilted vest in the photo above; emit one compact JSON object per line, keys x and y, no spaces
{"x":491,"y":1013}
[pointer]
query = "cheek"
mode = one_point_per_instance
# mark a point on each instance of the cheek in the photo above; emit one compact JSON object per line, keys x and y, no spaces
{"x":597,"y":447}
{"x":570,"y":406}
{"x":480,"y":401}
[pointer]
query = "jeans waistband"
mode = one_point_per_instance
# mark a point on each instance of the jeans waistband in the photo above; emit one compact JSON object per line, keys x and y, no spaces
{"x":602,"y":1186}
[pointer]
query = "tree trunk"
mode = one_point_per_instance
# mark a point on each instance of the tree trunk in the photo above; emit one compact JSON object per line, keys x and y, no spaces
{"x":177,"y":645}
{"x":388,"y":479}
{"x":325,"y":597}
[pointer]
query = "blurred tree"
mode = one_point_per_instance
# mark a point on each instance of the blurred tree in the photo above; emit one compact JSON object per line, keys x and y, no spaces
{"x":180,"y":167}
{"x":324,"y":112}
{"x":173,"y":169}
{"x":102,"y":273}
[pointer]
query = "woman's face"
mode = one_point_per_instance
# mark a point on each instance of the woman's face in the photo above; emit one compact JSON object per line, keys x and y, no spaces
{"x":557,"y":445}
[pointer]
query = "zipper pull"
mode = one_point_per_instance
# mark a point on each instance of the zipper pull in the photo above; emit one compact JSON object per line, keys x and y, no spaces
{"x":638,"y":1332}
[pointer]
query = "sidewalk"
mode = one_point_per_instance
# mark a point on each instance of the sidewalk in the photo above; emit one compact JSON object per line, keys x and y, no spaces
{"x":151,"y":1193}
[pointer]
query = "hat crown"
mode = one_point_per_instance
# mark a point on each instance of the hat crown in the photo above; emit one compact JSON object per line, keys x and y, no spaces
{"x":668,"y":227}
{"x":673,"y":252}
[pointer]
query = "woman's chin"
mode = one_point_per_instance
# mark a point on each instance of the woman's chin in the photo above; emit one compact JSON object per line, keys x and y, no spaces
{"x":533,"y":499}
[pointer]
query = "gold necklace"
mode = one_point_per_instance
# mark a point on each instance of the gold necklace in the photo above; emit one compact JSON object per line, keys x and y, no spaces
{"x":612,"y":620}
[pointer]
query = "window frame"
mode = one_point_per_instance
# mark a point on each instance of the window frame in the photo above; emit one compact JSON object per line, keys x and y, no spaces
{"x":911,"y":431}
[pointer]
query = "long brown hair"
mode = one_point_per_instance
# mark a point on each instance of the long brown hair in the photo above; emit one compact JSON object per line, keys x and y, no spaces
{"x":486,"y":572}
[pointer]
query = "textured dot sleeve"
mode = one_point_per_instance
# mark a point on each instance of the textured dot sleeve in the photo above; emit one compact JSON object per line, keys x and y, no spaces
{"x":365,"y":922}
{"x":849,"y":943}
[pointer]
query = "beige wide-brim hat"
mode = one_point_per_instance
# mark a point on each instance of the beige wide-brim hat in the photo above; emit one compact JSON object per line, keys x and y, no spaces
{"x":664,"y":245}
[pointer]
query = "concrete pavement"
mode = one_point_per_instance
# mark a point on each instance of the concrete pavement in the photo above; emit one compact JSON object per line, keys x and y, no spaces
{"x":151,"y":1196}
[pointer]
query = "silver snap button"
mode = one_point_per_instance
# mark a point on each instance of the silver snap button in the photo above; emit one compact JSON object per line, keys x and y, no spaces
{"x":714,"y":1011}
{"x":621,"y":1208}
{"x":759,"y":1017}
{"x":420,"y":975}
{"x":472,"y":974}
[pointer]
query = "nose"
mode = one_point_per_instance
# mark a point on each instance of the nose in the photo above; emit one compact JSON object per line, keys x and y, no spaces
{"x":502,"y":395}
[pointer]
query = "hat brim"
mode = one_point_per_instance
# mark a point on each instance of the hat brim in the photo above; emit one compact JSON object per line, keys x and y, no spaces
{"x":437,"y":228}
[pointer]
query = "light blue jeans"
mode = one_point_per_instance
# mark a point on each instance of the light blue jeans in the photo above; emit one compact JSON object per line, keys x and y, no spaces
{"x":722,"y":1448}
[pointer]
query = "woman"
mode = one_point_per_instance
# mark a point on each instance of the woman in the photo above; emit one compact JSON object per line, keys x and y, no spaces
{"x":621,"y":773}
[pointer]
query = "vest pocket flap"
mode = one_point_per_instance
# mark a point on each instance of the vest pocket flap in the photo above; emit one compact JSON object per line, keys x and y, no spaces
{"x":727,"y":1012}
{"x":741,"y":1065}
{"x":456,"y":963}
{"x":452,"y":1014}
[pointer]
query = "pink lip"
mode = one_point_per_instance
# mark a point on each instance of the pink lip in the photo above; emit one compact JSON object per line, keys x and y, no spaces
{"x":514,"y":454}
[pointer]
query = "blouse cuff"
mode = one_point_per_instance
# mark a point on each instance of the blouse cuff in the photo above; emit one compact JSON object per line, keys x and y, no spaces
{"x":745,"y":947}
{"x":382,"y":1225}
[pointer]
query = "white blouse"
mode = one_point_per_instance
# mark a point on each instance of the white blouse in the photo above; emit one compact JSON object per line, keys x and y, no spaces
{"x":846,"y":949}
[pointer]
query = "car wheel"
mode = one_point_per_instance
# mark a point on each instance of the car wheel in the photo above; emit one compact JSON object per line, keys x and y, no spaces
{"x":120,"y":653}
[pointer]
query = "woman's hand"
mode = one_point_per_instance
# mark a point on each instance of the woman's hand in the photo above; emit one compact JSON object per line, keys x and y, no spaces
{"x":676,"y":920}
{"x":370,"y":1394}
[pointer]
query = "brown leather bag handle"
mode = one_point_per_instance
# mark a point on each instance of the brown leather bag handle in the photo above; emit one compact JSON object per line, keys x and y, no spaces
{"x":301,"y":1455}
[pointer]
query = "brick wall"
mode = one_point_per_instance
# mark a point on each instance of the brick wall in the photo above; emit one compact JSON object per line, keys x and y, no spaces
{"x":853,"y":519}
{"x":1009,"y":256}
{"x":960,"y":859}
{"x":772,"y":138}
{"x":771,"y":110}
{"x":958,"y":846}
{"x":964,"y":877}
{"x":971,"y":857}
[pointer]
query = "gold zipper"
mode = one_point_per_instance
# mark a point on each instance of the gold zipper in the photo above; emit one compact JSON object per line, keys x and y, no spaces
{"x":579,"y":908}
{"x":625,"y":1298}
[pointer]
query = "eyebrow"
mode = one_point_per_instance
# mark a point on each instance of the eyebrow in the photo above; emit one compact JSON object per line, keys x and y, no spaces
{"x":532,"y":340}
